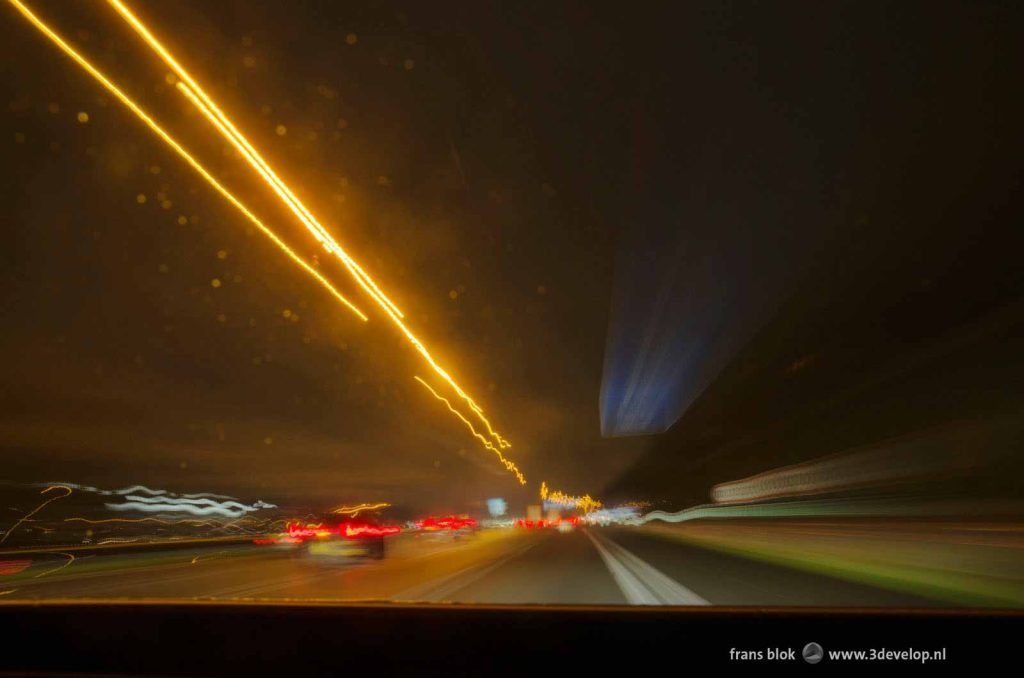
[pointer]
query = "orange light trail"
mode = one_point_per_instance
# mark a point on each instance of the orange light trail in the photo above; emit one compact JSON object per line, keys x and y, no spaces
{"x":586,"y":503}
{"x":356,"y":510}
{"x":70,"y":559}
{"x":199,"y":97}
{"x":37,"y":509}
{"x":486,"y":443}
{"x":223,"y":124}
{"x":169,"y":140}
{"x":191,"y":89}
{"x":247,"y":151}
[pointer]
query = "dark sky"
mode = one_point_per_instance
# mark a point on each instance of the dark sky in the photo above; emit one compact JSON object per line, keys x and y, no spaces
{"x":489,"y":164}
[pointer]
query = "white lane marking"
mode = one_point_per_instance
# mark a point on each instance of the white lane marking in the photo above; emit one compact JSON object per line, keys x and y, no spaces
{"x":636,"y":593}
{"x":663,"y":586}
{"x":641,"y":582}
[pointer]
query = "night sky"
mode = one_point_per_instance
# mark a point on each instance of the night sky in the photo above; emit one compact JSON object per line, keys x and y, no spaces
{"x":837,"y":189}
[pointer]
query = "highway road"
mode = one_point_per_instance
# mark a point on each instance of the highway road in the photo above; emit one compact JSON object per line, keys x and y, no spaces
{"x":613,"y":566}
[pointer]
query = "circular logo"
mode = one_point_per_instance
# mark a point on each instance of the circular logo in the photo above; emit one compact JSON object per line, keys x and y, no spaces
{"x":813,"y":653}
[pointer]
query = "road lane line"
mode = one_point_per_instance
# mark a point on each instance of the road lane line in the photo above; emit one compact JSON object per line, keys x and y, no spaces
{"x":634,"y":591}
{"x":663,"y":586}
{"x":641,"y":582}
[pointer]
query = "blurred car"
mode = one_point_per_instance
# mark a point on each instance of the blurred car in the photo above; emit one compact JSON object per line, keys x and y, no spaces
{"x":341,"y":539}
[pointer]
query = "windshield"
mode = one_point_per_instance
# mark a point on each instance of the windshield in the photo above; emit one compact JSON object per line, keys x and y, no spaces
{"x":528,"y":303}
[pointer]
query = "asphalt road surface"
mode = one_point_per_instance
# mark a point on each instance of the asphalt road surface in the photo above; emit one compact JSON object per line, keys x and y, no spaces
{"x":586,"y":566}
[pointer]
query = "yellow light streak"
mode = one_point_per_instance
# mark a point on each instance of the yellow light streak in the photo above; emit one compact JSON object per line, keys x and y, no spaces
{"x":202,"y":558}
{"x":191,"y":89}
{"x":218,"y":120}
{"x":586,"y":503}
{"x":119,"y":540}
{"x":362,"y":278}
{"x":142,"y":115}
{"x":356,"y":510}
{"x":70,"y":559}
{"x":483,"y":440}
{"x":244,"y":147}
{"x":224,"y":125}
{"x":38,"y":508}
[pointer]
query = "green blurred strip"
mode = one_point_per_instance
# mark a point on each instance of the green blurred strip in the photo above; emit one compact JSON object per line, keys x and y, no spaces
{"x":867,"y":566}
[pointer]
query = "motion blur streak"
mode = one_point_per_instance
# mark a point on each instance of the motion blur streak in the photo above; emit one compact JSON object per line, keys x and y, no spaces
{"x":453,"y":523}
{"x":224,"y":124}
{"x":27,"y":516}
{"x":219,"y":121}
{"x":968,"y":562}
{"x":199,"y":502}
{"x":137,"y":489}
{"x":917,"y":457}
{"x":206,"y":106}
{"x":176,"y":508}
{"x":844,"y":507}
{"x":161,"y":521}
{"x":586,"y":503}
{"x":619,"y":515}
{"x":486,"y":443}
{"x":124,"y":490}
{"x":191,"y":89}
{"x":169,"y":140}
{"x":199,"y":507}
{"x":70,"y":559}
{"x":904,"y":476}
{"x":164,"y":501}
{"x":355,"y":531}
{"x":9,"y":567}
{"x":357,"y":509}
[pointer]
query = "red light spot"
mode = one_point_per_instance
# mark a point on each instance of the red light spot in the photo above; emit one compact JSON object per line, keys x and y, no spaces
{"x":13,"y":566}
{"x":349,"y":529}
{"x":446,"y":523}
{"x":356,"y":530}
{"x":309,"y":531}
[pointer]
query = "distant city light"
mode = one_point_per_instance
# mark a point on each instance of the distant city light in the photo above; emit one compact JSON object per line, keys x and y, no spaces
{"x":497,"y":507}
